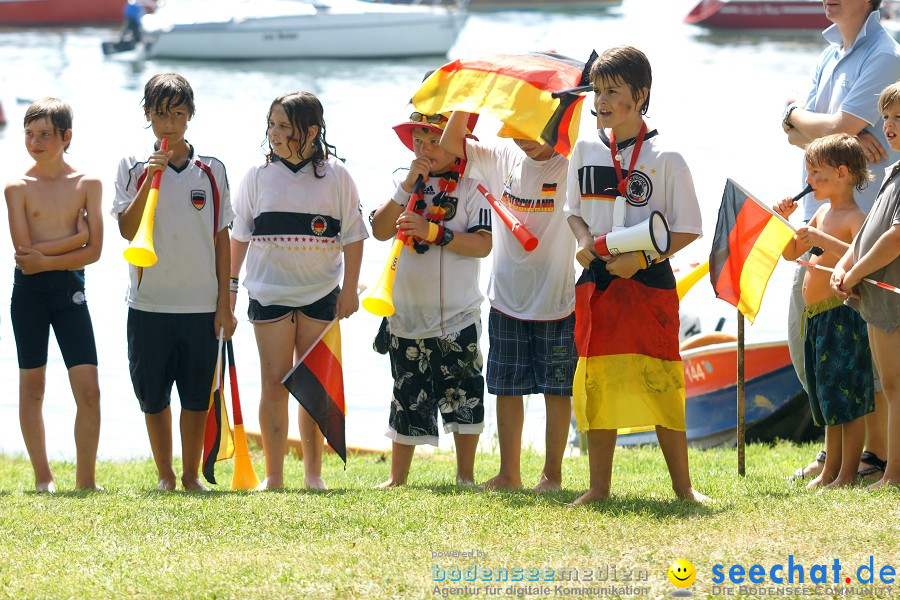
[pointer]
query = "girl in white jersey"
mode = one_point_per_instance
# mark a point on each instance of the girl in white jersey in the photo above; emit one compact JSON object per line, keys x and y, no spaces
{"x":299,"y":226}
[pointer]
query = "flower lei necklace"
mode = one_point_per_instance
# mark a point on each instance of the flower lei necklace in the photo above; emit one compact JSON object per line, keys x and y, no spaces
{"x":435,"y":213}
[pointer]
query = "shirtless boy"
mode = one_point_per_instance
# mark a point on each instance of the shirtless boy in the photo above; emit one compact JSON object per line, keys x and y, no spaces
{"x":56,"y":228}
{"x":836,"y":344}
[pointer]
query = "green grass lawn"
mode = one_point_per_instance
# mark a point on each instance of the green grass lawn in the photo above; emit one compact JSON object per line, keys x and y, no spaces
{"x":356,"y":542}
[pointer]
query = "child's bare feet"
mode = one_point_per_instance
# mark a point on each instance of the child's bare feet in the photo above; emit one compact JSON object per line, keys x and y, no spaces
{"x":390,"y":483}
{"x":269,"y":483}
{"x":839,"y":483}
{"x":502,"y":482}
{"x":883,"y":482}
{"x":819,"y":481}
{"x":47,"y":487}
{"x":91,"y":488}
{"x":692,"y":495}
{"x":592,"y":495}
{"x":547,"y":485}
{"x":314,"y":483}
{"x":166,"y":485}
{"x":193,"y":484}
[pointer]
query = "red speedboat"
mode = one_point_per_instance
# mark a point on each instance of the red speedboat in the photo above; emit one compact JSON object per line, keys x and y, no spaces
{"x":759,"y":14}
{"x":60,"y":12}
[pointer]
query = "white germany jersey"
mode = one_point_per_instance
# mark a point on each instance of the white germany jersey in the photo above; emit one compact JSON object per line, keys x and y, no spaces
{"x":661,"y":181}
{"x":194,"y":204}
{"x":436,"y":293}
{"x":537,"y":285}
{"x":297,"y":225}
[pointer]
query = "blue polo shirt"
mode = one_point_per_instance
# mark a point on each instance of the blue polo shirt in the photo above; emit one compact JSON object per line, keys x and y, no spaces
{"x":849,"y":80}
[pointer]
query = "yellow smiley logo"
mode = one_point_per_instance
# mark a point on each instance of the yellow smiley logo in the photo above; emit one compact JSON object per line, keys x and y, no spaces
{"x":682,"y":573}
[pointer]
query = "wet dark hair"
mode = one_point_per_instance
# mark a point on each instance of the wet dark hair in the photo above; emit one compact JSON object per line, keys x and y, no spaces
{"x":59,"y":113}
{"x":165,"y":90}
{"x":303,"y":111}
{"x":841,"y":149}
{"x":628,"y":65}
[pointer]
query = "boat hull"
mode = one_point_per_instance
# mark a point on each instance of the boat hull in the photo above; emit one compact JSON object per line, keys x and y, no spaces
{"x":60,"y":12}
{"x":775,"y":404}
{"x":759,"y":14}
{"x":393,"y":33}
{"x":529,"y":4}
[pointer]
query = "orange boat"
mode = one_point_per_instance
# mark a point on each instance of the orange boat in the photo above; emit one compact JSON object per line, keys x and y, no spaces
{"x":775,"y":404}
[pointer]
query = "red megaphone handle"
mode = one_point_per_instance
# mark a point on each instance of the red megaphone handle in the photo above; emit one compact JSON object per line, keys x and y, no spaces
{"x":411,"y":205}
{"x":157,"y":177}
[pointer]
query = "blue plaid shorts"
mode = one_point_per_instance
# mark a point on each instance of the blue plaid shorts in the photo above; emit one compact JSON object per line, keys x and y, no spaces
{"x":530,"y":357}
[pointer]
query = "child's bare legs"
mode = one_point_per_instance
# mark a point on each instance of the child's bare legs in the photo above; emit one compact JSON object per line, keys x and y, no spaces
{"x":466,"y":447}
{"x":313,"y":444}
{"x":601,"y":445}
{"x":853,"y":435}
{"x":885,"y":349}
{"x":832,"y":466}
{"x":401,"y":460}
{"x":86,"y":389}
{"x":159,"y":430}
{"x":277,"y":343}
{"x":876,"y":430}
{"x":31,"y":419}
{"x":559,"y":414}
{"x":193,"y":428}
{"x":510,"y":418}
{"x":674,"y":448}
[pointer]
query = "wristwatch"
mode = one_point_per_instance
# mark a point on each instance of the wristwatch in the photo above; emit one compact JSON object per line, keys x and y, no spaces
{"x":786,"y":115}
{"x":447,"y":237}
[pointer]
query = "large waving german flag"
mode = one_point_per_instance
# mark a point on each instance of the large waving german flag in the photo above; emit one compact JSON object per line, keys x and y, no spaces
{"x":629,"y":375}
{"x":514,"y":88}
{"x":317,"y":382}
{"x":748,"y":242}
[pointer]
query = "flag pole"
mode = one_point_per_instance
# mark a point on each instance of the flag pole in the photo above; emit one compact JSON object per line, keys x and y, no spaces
{"x":740,"y":394}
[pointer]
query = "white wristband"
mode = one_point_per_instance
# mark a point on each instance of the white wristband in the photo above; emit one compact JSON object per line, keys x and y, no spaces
{"x":401,"y":196}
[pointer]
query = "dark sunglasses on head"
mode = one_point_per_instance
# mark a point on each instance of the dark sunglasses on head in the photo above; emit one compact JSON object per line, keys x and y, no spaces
{"x":418,"y":117}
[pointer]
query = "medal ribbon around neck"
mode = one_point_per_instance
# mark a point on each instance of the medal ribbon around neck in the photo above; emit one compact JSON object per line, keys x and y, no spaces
{"x":614,"y":151}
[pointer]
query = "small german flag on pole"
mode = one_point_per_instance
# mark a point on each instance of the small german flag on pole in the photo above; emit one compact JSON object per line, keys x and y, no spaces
{"x":748,"y":242}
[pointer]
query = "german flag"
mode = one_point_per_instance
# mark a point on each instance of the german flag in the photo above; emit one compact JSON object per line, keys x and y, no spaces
{"x":629,"y":375}
{"x":748,"y":242}
{"x":317,"y":382}
{"x":514,"y":88}
{"x":548,"y":189}
{"x":217,"y":441}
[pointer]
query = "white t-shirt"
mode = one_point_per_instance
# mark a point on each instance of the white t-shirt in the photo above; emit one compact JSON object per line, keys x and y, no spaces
{"x":436,"y":293}
{"x":537,"y":285}
{"x":183,"y":280}
{"x":297,"y":225}
{"x":661,"y":181}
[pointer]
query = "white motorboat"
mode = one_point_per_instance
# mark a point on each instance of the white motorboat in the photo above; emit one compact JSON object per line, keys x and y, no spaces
{"x":263,"y":29}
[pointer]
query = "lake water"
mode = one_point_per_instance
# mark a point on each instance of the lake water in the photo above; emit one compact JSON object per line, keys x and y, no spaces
{"x":720,"y":95}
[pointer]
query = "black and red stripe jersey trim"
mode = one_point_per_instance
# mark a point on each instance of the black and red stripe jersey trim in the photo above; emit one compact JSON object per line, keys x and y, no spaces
{"x":212,"y":184}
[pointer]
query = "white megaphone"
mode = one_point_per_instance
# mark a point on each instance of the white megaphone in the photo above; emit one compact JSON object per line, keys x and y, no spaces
{"x":651,"y":236}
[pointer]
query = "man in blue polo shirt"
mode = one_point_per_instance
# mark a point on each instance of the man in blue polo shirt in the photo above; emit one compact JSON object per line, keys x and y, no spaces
{"x":861,"y":60}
